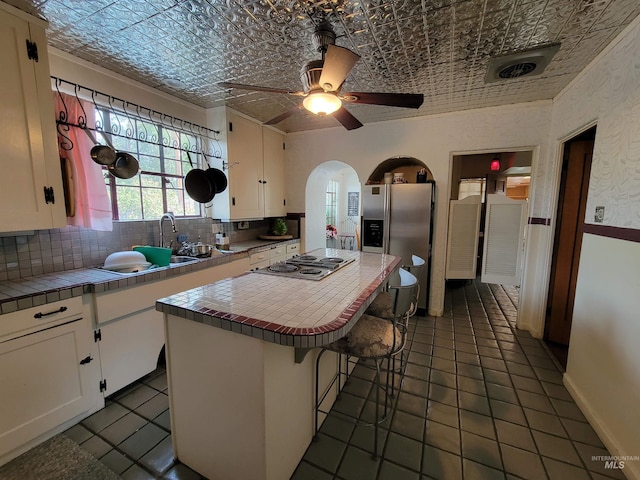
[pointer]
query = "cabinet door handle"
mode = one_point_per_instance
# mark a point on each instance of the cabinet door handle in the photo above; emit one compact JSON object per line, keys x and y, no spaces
{"x":40,"y":314}
{"x":86,"y":360}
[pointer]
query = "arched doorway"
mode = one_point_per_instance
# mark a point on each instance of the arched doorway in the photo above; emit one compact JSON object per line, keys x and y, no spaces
{"x":344,"y":180}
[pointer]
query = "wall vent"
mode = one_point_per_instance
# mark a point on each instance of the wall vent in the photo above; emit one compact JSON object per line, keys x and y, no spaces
{"x":520,"y":64}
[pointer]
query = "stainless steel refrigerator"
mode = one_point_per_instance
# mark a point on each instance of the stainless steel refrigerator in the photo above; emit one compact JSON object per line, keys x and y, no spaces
{"x":397,"y":219}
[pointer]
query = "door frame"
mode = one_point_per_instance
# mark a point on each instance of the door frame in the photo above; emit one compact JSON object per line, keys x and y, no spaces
{"x":559,"y":215}
{"x":535,"y":156}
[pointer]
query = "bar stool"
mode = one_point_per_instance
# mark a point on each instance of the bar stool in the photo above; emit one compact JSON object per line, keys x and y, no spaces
{"x":376,"y":339}
{"x":382,"y":305}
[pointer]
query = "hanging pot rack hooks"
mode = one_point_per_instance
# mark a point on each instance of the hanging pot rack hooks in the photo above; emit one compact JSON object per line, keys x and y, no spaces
{"x":131,"y":112}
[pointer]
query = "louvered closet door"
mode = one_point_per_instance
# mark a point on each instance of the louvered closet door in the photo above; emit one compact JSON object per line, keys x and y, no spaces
{"x":503,"y":240}
{"x":462,"y":241}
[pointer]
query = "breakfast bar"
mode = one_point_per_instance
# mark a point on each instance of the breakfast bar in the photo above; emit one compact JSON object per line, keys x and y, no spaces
{"x":240,"y":391}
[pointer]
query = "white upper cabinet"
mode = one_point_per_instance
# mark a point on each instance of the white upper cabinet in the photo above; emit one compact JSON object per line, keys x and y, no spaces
{"x":31,"y":186}
{"x":253,"y":160}
{"x":273,"y":178}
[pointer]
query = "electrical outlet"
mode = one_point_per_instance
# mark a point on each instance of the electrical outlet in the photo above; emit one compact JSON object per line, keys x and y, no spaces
{"x":599,"y":217}
{"x":243,"y":225}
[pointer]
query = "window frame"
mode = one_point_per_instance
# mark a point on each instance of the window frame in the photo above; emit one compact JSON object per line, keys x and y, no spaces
{"x":133,"y":133}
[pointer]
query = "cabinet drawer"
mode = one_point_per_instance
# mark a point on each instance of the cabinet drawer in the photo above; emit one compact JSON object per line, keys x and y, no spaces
{"x":259,"y":257}
{"x":31,"y":320}
{"x":293,"y":248}
{"x":277,"y":251}
{"x":277,"y":259}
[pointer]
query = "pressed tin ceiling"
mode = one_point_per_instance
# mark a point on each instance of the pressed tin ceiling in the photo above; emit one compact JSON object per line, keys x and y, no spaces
{"x":440,"y":48}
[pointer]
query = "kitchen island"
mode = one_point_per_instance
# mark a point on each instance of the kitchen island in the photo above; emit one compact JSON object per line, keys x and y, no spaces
{"x":241,"y":405}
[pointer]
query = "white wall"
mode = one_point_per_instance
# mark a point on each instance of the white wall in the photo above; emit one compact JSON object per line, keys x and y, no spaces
{"x":603,"y":370}
{"x":432,"y":140}
{"x":73,"y":69}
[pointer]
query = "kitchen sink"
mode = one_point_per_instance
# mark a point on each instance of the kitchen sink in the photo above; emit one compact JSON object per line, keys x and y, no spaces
{"x":181,"y":260}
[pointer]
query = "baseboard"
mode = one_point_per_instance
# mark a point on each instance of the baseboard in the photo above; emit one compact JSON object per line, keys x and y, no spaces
{"x":631,"y":469}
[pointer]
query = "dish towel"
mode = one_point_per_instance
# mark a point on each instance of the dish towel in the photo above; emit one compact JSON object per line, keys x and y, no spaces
{"x":92,"y":203}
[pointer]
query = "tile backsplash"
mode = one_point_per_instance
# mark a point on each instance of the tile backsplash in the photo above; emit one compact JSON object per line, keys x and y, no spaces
{"x":46,"y":251}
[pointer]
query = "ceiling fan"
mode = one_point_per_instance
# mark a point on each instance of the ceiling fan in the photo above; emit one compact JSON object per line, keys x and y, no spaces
{"x":323,"y":79}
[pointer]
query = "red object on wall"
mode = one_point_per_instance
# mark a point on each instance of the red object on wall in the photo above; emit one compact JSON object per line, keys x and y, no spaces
{"x":495,"y":165}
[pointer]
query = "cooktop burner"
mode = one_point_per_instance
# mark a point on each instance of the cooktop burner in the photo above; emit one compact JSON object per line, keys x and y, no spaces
{"x":310,"y":271}
{"x":332,"y":260}
{"x":306,"y":266}
{"x":306,"y":258}
{"x":282,"y":267}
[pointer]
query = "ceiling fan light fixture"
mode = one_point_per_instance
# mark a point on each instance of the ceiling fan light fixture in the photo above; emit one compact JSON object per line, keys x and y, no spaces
{"x":322,"y":103}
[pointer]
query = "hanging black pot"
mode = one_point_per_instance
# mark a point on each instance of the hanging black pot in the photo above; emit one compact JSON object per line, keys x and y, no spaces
{"x":219,"y":179}
{"x":200,"y":186}
{"x":125,"y":166}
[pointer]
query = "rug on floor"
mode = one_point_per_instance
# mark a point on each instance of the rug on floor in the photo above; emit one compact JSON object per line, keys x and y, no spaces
{"x":59,"y":458}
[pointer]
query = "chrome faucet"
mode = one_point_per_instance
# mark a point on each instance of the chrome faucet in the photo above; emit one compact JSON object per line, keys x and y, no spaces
{"x":167,"y":216}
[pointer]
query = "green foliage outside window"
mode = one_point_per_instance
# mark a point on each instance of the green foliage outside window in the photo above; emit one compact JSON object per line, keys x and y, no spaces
{"x":159,"y":185}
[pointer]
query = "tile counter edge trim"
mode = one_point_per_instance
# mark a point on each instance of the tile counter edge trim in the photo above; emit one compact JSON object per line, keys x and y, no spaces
{"x":279,"y":334}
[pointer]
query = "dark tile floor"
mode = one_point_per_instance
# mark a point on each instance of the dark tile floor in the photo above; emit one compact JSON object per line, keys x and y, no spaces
{"x":480,"y":400}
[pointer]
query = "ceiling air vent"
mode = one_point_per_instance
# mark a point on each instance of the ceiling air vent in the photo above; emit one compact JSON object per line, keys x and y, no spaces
{"x":520,"y":64}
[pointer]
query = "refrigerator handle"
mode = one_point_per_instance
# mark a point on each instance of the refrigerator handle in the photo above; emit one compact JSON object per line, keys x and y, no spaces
{"x":386,"y":238}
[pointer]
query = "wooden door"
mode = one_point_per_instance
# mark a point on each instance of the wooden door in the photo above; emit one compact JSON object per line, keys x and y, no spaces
{"x":572,"y":199}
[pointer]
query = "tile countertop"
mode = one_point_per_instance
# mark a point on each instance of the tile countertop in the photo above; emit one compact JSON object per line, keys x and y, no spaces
{"x":288,"y":311}
{"x":23,"y":293}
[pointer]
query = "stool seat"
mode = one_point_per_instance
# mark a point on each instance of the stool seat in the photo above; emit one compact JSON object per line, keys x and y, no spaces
{"x":370,"y":337}
{"x":382,"y":306}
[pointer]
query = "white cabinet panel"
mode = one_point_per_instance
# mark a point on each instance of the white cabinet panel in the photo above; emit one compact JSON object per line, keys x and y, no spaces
{"x":129,"y":348}
{"x":244,"y":147}
{"x":273,"y":178}
{"x":27,"y":126}
{"x":253,"y":160}
{"x":43,"y":381}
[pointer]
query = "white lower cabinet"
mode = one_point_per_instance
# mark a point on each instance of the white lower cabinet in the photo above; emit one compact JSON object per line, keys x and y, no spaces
{"x":293,"y":249}
{"x":278,"y":254}
{"x":47,"y":375}
{"x":259,"y":259}
{"x":273,"y":254}
{"x":130,"y":331}
{"x":129,"y":349}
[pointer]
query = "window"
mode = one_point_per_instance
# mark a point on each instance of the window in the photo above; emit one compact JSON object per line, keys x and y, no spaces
{"x":332,"y":202}
{"x":159,"y":186}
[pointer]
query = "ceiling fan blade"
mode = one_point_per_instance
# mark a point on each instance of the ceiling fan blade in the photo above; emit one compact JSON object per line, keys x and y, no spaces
{"x":284,"y":115}
{"x":347,"y":120}
{"x":406,"y":100}
{"x":338,"y":62}
{"x":259,"y":89}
